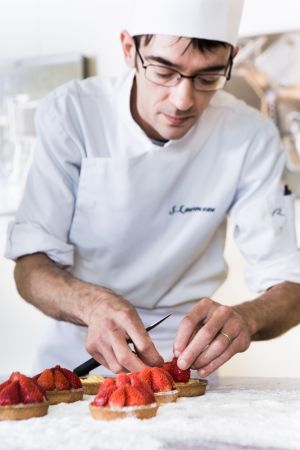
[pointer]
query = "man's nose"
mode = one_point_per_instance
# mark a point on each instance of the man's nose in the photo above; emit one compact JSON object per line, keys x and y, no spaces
{"x":182,"y":95}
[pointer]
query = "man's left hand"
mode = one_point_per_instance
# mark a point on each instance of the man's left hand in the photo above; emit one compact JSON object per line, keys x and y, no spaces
{"x":209,"y":335}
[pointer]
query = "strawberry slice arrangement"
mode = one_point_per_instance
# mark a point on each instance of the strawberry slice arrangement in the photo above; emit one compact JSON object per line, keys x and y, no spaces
{"x":161,"y":382}
{"x":59,"y":385}
{"x":21,"y":398}
{"x":177,"y":374}
{"x":126,"y":395}
{"x":186,"y":386}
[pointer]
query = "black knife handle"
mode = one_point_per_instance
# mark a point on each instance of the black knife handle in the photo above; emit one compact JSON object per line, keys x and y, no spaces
{"x":86,"y":367}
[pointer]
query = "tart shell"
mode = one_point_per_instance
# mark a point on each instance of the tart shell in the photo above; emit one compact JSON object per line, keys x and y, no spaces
{"x":193,"y":388}
{"x":67,"y":396}
{"x":23,"y":411}
{"x":113,"y":413}
{"x":166,"y":396}
{"x":91,"y":388}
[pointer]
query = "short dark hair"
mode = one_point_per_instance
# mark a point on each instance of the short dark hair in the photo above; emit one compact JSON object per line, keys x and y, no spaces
{"x":204,"y":45}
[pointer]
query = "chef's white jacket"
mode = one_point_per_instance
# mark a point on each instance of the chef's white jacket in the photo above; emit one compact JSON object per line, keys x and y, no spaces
{"x":115,"y":209}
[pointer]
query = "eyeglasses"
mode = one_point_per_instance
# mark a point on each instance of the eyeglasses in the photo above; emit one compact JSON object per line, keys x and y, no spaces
{"x":202,"y":81}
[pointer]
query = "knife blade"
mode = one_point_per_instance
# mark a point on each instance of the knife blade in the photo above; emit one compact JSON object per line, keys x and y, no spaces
{"x":84,"y":368}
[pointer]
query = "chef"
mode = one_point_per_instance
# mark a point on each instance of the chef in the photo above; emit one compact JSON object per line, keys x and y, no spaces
{"x":123,"y":219}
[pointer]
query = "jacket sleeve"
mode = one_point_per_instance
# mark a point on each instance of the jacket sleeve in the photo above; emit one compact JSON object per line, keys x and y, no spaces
{"x":43,"y":220}
{"x":263,"y":217}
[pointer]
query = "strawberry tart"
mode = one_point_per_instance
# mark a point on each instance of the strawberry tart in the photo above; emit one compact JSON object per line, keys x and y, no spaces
{"x":161,"y":383}
{"x":123,"y":396}
{"x":186,"y":386}
{"x":60,"y":385}
{"x":21,"y":398}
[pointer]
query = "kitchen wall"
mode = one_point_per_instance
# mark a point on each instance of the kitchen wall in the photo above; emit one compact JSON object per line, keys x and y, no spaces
{"x":46,"y":27}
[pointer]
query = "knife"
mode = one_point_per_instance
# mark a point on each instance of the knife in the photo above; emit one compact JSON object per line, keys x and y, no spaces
{"x":91,"y":364}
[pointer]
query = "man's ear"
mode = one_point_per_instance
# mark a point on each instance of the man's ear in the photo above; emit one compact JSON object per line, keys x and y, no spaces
{"x":128,"y":47}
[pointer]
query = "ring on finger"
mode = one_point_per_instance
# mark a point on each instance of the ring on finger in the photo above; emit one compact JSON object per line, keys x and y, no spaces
{"x":229,"y":339}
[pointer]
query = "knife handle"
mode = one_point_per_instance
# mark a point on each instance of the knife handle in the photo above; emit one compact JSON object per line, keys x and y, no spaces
{"x":86,"y":367}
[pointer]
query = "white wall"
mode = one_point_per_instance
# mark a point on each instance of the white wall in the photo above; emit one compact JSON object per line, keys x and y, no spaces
{"x":45,"y":27}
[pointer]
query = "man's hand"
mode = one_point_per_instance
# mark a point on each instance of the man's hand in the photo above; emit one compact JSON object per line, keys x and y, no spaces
{"x":199,"y":342}
{"x":112,"y":320}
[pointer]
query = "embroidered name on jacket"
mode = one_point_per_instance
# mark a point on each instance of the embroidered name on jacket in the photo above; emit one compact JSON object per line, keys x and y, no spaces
{"x":182,"y":209}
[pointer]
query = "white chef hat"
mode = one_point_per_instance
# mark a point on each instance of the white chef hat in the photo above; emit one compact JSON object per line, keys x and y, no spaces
{"x":216,"y":20}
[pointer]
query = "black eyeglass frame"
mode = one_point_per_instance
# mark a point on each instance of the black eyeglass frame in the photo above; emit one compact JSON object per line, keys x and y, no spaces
{"x":226,"y":74}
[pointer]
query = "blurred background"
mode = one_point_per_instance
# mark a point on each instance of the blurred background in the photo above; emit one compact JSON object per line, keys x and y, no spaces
{"x":44,"y":43}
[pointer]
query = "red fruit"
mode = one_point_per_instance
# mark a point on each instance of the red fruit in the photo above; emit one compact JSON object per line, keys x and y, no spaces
{"x":145,"y":375}
{"x":118,"y":397}
{"x":73,"y":379}
{"x":10,"y":394}
{"x":122,"y":379}
{"x":108,"y":382}
{"x":145,"y":389}
{"x":61,"y":382}
{"x":15,"y":376}
{"x":103,"y":395}
{"x":30,"y":392}
{"x":167,"y":367}
{"x":134,"y":397}
{"x":3,"y":385}
{"x":160,"y":380}
{"x":46,"y":380}
{"x":179,"y":375}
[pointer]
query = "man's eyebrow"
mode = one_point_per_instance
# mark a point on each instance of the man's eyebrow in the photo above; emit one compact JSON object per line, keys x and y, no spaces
{"x":166,"y":62}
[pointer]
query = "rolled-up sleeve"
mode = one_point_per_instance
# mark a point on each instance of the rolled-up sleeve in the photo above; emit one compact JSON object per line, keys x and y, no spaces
{"x":263,"y":217}
{"x":43,"y":220}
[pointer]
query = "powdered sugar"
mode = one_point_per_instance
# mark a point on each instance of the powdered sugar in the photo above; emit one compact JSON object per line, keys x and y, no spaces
{"x":239,"y":412}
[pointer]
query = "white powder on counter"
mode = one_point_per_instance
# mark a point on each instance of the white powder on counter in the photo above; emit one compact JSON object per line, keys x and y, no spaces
{"x":223,"y":418}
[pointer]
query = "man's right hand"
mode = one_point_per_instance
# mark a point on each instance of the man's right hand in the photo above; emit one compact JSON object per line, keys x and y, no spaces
{"x":110,"y":318}
{"x":111,"y":321}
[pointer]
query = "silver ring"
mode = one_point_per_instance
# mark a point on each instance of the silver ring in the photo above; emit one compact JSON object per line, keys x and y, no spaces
{"x":227,"y":337}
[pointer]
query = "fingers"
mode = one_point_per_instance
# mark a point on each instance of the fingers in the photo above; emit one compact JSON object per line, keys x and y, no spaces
{"x":213,"y":334}
{"x":143,"y":344}
{"x":110,"y":347}
{"x":215,"y":321}
{"x":189,"y":326}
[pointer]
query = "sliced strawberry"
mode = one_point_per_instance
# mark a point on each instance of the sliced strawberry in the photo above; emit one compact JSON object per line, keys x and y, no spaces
{"x":60,"y":381}
{"x":167,"y":367}
{"x":122,"y":379}
{"x":145,"y":375}
{"x":118,"y":397}
{"x":46,"y":380}
{"x":15,"y":376}
{"x":134,"y":397}
{"x":103,"y":395}
{"x":30,"y":392}
{"x":179,"y":375}
{"x":145,"y":389}
{"x":73,"y":379}
{"x":10,"y":394}
{"x":3,"y":385}
{"x":160,"y":380}
{"x":108,"y":382}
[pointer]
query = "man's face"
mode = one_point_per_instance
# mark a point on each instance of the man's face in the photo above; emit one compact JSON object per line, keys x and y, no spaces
{"x":169,"y":112}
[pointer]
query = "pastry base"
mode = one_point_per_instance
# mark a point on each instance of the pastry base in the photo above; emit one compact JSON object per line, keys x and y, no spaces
{"x":91,"y":388}
{"x":114,"y":412}
{"x":23,"y":411}
{"x":68,"y":396}
{"x":192,"y":388}
{"x":166,"y":396}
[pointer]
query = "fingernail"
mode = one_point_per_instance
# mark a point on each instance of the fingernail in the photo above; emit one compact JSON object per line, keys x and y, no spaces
{"x":176,"y":353}
{"x":182,"y":364}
